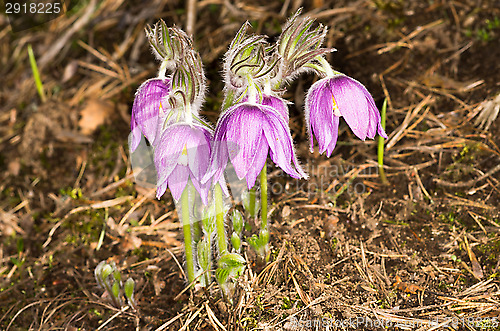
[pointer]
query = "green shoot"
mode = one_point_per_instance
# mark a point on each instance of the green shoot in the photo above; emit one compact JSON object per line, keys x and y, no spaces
{"x":36,"y":74}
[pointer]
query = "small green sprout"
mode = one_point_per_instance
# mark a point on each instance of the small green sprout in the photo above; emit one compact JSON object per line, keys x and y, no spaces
{"x":109,"y":278}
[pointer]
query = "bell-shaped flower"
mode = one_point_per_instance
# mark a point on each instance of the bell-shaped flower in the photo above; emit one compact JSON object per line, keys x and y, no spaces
{"x":277,"y":104}
{"x":340,"y":96}
{"x":148,"y":110}
{"x":183,"y":153}
{"x":245,"y":135}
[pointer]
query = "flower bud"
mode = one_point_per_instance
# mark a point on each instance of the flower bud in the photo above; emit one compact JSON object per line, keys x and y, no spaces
{"x":236,"y":241}
{"x":129,"y":288}
{"x":237,"y":221}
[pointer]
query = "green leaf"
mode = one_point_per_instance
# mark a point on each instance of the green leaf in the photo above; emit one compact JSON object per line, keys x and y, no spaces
{"x":204,"y":254}
{"x":117,"y":276}
{"x":106,"y":271}
{"x":20,"y":245}
{"x":230,"y":260}
{"x":221,"y":275}
{"x":115,"y":290}
{"x":237,"y":221}
{"x":129,"y":288}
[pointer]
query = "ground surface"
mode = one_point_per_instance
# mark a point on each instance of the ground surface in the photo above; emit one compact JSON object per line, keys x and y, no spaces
{"x":345,"y":247}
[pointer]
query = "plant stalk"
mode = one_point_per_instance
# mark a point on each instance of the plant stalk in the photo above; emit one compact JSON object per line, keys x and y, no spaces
{"x":263,"y":197}
{"x":188,"y":239}
{"x":252,"y":202}
{"x":380,"y":146}
{"x":219,"y":220}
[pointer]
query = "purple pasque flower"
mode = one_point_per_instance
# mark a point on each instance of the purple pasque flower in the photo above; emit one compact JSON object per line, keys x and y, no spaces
{"x":332,"y":97}
{"x":146,"y":117}
{"x":277,"y":104}
{"x":183,"y":153}
{"x":245,"y":134}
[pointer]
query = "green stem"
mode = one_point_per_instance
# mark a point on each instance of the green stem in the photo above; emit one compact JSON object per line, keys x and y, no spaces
{"x":196,"y":223}
{"x":228,"y":100}
{"x":380,"y":146}
{"x":263,"y":197}
{"x":188,"y":240}
{"x":251,"y":202}
{"x":326,"y":66}
{"x":219,"y":220}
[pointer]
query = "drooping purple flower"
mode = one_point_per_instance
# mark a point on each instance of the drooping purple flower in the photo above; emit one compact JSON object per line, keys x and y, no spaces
{"x":146,"y":115}
{"x":277,"y":104}
{"x":332,"y":97}
{"x":245,"y":135}
{"x":182,"y":153}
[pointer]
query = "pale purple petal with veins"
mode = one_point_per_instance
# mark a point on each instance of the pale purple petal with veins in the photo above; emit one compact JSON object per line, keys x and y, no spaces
{"x":245,"y":134}
{"x":277,"y":104}
{"x":150,"y":96}
{"x":340,"y":95}
{"x":182,"y":153}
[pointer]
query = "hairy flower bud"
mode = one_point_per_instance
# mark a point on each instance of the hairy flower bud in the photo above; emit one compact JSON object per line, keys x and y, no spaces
{"x":297,"y":48}
{"x":246,"y":65}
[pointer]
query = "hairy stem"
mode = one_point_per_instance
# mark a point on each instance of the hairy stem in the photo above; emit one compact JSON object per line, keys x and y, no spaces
{"x":188,"y":239}
{"x":263,"y":197}
{"x":219,"y":220}
{"x":326,"y":66}
{"x":251,"y":202}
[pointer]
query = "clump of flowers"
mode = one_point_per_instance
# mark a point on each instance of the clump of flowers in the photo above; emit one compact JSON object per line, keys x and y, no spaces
{"x":191,"y":156}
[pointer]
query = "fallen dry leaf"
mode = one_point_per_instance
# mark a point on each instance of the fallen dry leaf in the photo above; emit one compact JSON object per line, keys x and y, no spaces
{"x":406,"y":287}
{"x":95,"y":113}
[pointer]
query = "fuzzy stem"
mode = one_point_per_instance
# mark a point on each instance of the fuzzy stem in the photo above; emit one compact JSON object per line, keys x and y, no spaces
{"x":197,"y":223}
{"x":380,"y":146}
{"x":189,"y":114}
{"x":326,"y":66}
{"x":219,"y":220}
{"x":252,"y":202}
{"x":252,"y":91}
{"x":267,"y":86}
{"x":162,"y":70}
{"x":188,"y":240}
{"x":263,"y":197}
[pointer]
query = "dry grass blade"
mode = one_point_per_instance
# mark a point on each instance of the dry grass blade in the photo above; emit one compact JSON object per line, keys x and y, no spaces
{"x":471,"y":182}
{"x":190,"y":319}
{"x":112,"y":318}
{"x":303,"y":295}
{"x":149,"y":195}
{"x":213,"y":319}
{"x":400,"y":131}
{"x":55,"y":49}
{"x":167,"y":324}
